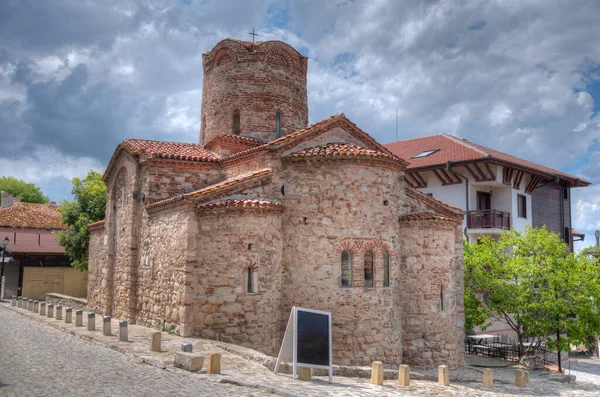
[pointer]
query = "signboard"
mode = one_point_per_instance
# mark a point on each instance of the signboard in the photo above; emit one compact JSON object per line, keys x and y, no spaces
{"x":307,"y":341}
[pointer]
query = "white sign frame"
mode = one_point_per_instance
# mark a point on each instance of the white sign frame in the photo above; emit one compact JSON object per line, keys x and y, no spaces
{"x":290,"y":342}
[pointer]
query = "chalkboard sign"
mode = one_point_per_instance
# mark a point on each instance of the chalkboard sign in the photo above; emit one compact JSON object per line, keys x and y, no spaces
{"x":312,"y":338}
{"x":307,"y":341}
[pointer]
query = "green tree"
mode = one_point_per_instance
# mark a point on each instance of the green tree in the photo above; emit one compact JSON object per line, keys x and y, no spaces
{"x":530,"y":281}
{"x":26,"y":192}
{"x":89,"y":206}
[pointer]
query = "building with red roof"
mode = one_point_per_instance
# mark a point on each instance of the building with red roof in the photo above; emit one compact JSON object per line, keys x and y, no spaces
{"x":496,"y":190}
{"x":223,"y":237}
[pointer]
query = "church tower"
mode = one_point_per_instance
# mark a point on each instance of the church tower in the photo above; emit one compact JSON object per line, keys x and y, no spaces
{"x":256,"y":90}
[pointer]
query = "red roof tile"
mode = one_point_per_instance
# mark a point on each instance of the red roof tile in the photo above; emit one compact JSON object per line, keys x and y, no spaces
{"x":244,"y":140}
{"x":34,"y":216}
{"x":339,"y":150}
{"x":454,"y":149}
{"x":213,"y":189}
{"x":427,"y":216}
{"x":98,"y":225}
{"x":169,"y":150}
{"x":241,"y":204}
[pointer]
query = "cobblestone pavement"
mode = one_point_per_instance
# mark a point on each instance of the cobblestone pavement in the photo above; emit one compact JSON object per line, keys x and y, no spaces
{"x":36,"y":360}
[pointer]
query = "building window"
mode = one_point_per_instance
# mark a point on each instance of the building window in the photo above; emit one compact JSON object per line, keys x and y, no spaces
{"x":566,"y":193}
{"x":442,"y":297}
{"x":236,"y":122}
{"x":346,"y":269}
{"x":522,"y":206}
{"x":368,"y":269}
{"x":567,"y":236}
{"x":250,"y":281}
{"x":277,"y":125}
{"x":386,"y":269}
{"x":425,"y":153}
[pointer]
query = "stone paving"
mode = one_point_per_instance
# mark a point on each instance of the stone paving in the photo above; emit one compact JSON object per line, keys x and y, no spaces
{"x":38,"y":360}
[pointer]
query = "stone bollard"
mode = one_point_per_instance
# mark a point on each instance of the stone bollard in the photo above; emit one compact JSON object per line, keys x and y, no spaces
{"x":106,"y":326}
{"x":91,"y":321}
{"x":155,"y":342}
{"x":30,"y":305}
{"x":188,"y":361}
{"x":214,"y":364}
{"x":304,"y":374}
{"x":58,"y":312}
{"x":404,"y":375}
{"x":377,"y":373}
{"x":526,"y":377}
{"x":520,"y":378}
{"x":42,"y":308}
{"x":187,"y":347}
{"x":13,"y":301}
{"x":78,"y":318}
{"x":24,"y":301}
{"x":50,"y":310}
{"x":488,"y":378}
{"x":68,"y":315}
{"x":123,"y":337}
{"x":36,"y":306}
{"x":20,"y":301}
{"x":443,"y":377}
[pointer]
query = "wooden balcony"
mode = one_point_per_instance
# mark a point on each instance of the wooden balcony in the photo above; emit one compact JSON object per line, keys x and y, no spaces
{"x":487,"y":219}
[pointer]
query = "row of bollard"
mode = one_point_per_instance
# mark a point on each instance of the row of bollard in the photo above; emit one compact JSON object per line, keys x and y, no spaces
{"x":521,"y":376}
{"x":185,"y":359}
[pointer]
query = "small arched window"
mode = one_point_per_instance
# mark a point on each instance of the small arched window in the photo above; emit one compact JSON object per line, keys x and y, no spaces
{"x":442,"y":297}
{"x":346,"y":269}
{"x":250,"y":280}
{"x":236,"y":122}
{"x":369,"y":269}
{"x":386,"y":269}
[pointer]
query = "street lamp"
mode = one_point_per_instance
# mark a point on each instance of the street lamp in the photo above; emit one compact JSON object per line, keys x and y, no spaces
{"x":597,"y":235}
{"x":4,"y":244}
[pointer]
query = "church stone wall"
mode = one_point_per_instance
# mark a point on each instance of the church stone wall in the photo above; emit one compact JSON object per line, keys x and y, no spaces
{"x":97,"y":267}
{"x":431,"y":296}
{"x":255,"y":83}
{"x":163,"y":285}
{"x":329,"y":207}
{"x":230,"y":241}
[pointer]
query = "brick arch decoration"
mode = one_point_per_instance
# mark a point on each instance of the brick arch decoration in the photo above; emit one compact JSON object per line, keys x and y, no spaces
{"x":358,"y":246}
{"x":278,"y":56}
{"x":224,"y":55}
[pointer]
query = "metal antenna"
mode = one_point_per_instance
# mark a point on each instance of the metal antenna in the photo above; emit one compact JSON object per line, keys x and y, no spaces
{"x":397,"y":137}
{"x":253,"y":35}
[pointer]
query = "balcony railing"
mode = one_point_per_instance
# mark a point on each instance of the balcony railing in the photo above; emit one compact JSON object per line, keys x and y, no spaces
{"x":485,"y":219}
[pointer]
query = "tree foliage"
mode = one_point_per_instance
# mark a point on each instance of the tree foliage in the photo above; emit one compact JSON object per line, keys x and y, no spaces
{"x":530,"y":281}
{"x":89,"y":206}
{"x":26,"y":192}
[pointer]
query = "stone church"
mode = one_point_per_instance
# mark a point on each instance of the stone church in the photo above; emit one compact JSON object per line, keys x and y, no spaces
{"x":221,"y":238}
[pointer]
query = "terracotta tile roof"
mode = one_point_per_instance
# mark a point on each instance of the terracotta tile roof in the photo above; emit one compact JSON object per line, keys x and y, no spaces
{"x":169,"y":150}
{"x":339,"y":150}
{"x":576,"y":233}
{"x":214,"y":189}
{"x":426,"y":216}
{"x":242,"y":204}
{"x":244,"y":140}
{"x":454,"y":149}
{"x":96,"y":225}
{"x":338,"y":120}
{"x":32,"y":216}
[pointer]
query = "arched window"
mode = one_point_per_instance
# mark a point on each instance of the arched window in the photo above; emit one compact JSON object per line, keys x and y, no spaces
{"x":386,"y":269}
{"x":236,"y":122}
{"x":250,"y":280}
{"x":369,"y":269}
{"x":346,"y":269}
{"x":442,"y":297}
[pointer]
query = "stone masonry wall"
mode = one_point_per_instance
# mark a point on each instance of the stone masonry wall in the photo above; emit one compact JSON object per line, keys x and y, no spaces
{"x":163,"y":269}
{"x":432,"y":301}
{"x":231,"y":241}
{"x":329,"y":207}
{"x":97,"y":264}
{"x":256,"y":83}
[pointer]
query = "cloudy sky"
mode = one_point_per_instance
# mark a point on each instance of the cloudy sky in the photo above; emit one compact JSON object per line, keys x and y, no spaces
{"x":77,"y":77}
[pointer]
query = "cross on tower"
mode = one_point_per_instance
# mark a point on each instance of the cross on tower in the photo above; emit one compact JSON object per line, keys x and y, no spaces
{"x":253,"y":35}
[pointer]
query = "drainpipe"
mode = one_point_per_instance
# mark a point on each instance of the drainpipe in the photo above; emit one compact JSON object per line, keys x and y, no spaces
{"x":449,"y":169}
